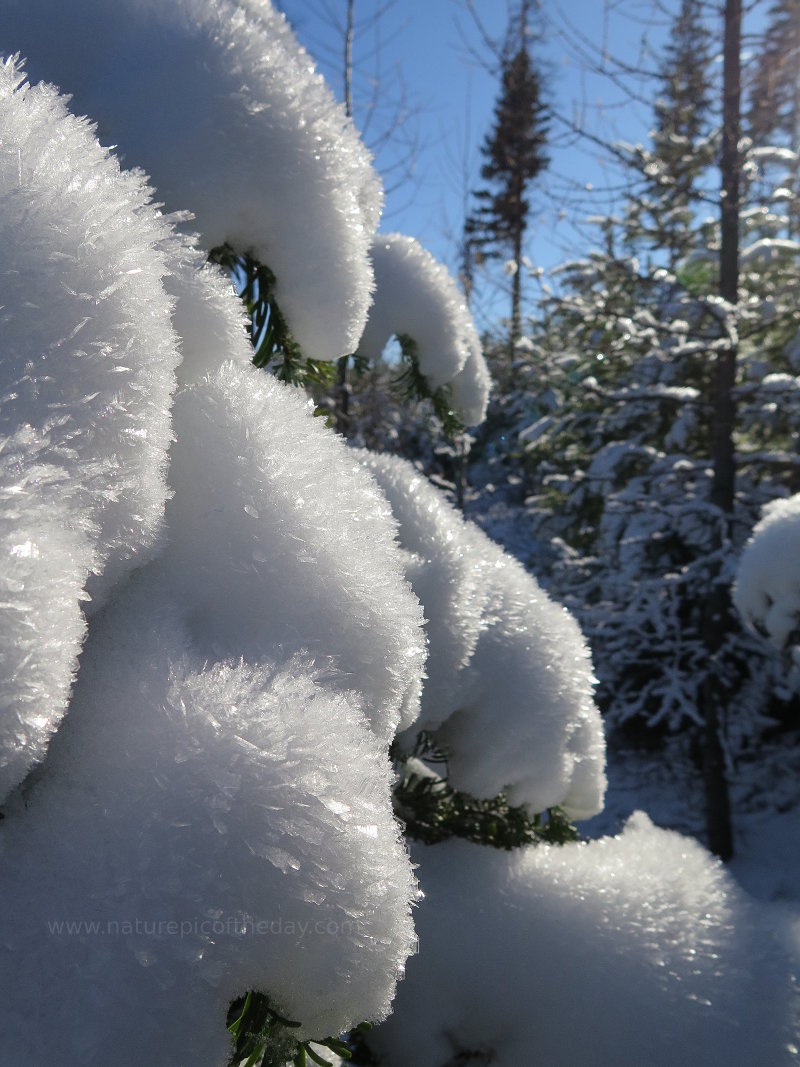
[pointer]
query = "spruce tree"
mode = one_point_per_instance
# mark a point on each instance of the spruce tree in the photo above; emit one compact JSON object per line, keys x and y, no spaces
{"x":682,"y":140}
{"x":774,"y":109}
{"x":514,"y":154}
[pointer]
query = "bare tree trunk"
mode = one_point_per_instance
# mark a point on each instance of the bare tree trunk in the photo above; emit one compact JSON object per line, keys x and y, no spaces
{"x":516,"y":292}
{"x":342,"y":412}
{"x":717,"y":618}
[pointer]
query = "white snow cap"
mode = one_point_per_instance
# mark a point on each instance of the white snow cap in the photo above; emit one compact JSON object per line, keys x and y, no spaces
{"x":279,"y":539}
{"x":416,"y":295}
{"x":767,"y":589}
{"x":86,"y":377}
{"x":510,"y":683}
{"x":217,"y":101}
{"x":224,"y":758}
{"x":214,"y":813}
{"x":634,"y":949}
{"x":206,"y":828}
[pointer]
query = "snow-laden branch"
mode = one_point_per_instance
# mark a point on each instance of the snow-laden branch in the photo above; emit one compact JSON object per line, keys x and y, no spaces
{"x":416,"y":296}
{"x":216,"y":814}
{"x":86,"y":379}
{"x":509,"y":686}
{"x":767,"y":589}
{"x":647,"y":936}
{"x":217,"y":101}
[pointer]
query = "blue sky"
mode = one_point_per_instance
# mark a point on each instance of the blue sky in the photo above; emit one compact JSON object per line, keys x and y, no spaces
{"x":432,"y":49}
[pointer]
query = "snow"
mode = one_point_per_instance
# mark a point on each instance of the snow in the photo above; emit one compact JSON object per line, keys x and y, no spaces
{"x":773,"y":154}
{"x":280,"y":539}
{"x":226,"y":825}
{"x":86,"y":378}
{"x":767,"y":589}
{"x":219,"y":104}
{"x":509,"y":686}
{"x":767,"y":249}
{"x":416,"y":295}
{"x":217,"y":799}
{"x":661,"y":956}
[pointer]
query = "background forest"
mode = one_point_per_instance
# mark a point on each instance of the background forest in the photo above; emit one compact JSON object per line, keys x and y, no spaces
{"x":645,"y":392}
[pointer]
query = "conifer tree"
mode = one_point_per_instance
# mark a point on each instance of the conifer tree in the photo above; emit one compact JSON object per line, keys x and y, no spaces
{"x":514,"y":154}
{"x":775,"y":89}
{"x":681,"y":137}
{"x":773,"y":116}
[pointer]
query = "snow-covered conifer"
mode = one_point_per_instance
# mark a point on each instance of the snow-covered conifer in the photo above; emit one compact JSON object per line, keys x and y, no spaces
{"x":223,"y":766}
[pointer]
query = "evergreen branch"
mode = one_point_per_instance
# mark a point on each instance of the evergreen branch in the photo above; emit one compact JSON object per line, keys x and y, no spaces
{"x":433,"y":811}
{"x":415,"y":386}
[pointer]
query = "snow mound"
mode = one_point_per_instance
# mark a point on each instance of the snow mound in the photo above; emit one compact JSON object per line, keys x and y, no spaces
{"x":217,"y":101}
{"x":415,"y":295}
{"x":661,"y":956}
{"x":279,"y":539}
{"x":509,"y":688}
{"x":206,"y":828}
{"x":767,"y":589}
{"x":86,"y":378}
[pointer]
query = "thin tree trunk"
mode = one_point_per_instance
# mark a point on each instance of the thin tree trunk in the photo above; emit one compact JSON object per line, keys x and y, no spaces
{"x":717,"y":616}
{"x":516,"y":291}
{"x":342,"y":412}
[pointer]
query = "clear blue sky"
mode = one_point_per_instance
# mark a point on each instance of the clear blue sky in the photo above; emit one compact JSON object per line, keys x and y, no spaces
{"x":429,"y":52}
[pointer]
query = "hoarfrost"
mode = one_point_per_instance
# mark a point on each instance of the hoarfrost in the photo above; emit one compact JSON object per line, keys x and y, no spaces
{"x":230,"y":119}
{"x":223,"y":763}
{"x":201,"y":826}
{"x":661,"y":955}
{"x":278,"y":538}
{"x":86,"y":380}
{"x":415,"y":295}
{"x":509,"y":687}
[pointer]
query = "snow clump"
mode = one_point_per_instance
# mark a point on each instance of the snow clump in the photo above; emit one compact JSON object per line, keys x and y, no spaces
{"x":86,"y":379}
{"x":220,"y":105}
{"x":509,"y":677}
{"x":661,"y":956}
{"x":767,"y":589}
{"x":213,"y":814}
{"x":415,"y":295}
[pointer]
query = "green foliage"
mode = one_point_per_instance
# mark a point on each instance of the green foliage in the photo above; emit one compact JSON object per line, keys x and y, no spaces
{"x":263,"y":1037}
{"x":414,"y":386}
{"x":433,"y":811}
{"x":274,"y":347}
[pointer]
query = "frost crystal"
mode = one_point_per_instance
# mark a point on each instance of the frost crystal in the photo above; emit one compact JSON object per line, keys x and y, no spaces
{"x":509,"y":688}
{"x":219,"y":104}
{"x":214,"y":814}
{"x":86,"y":380}
{"x":415,"y":295}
